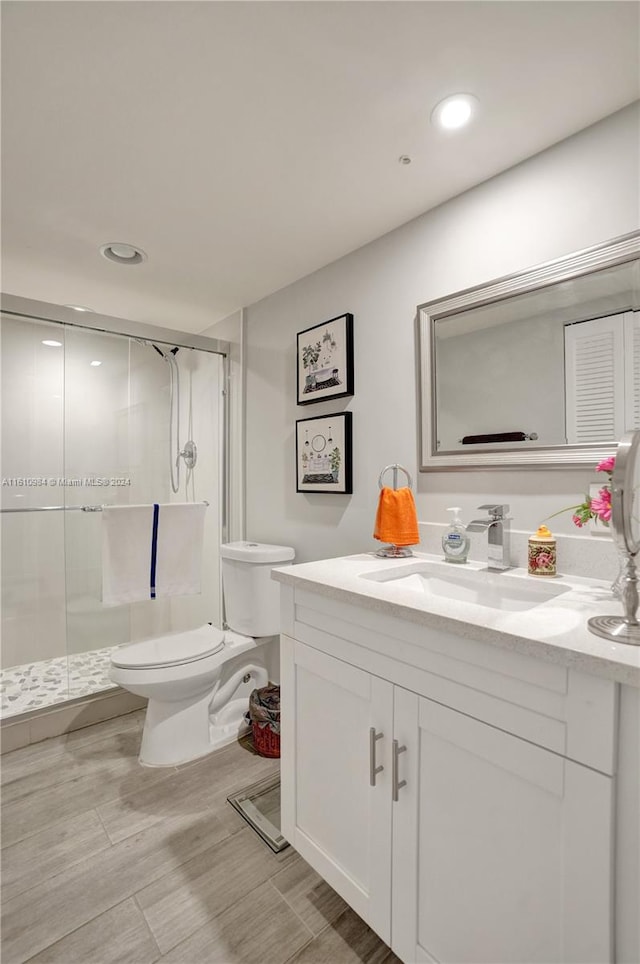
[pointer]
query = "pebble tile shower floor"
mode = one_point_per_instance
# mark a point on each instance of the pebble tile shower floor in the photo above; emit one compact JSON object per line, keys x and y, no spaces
{"x":108,"y":862}
{"x":49,"y":681}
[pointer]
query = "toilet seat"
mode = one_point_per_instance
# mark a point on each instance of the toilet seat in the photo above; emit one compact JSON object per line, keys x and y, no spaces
{"x":176,"y":649}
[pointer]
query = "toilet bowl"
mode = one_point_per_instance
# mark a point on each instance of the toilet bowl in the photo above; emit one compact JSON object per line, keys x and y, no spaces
{"x":198,"y":685}
{"x":198,"y":682}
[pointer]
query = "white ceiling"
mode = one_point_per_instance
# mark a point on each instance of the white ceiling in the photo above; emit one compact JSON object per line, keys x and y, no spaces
{"x":246,"y":144}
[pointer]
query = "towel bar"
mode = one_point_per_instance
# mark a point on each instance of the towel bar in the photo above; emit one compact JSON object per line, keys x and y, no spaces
{"x":68,"y":508}
{"x":498,"y":437}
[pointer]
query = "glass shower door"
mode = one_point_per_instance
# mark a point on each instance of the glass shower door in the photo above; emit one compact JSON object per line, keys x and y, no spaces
{"x":89,"y":419}
{"x":33,"y":654}
{"x":128,"y":403}
{"x":96,"y":458}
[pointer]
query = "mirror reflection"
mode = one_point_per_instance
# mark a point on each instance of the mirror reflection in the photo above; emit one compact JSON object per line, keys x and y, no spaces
{"x":556,"y":364}
{"x":545,"y":363}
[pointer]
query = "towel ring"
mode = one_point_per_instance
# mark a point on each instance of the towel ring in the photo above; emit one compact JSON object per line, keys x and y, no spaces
{"x":395,"y":466}
{"x":392,"y":551}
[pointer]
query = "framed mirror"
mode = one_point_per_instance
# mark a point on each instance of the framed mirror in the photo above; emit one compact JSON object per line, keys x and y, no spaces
{"x":539,"y":368}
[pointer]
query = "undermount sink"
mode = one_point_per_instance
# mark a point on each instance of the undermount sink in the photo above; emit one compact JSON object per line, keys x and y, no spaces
{"x":493,"y":590}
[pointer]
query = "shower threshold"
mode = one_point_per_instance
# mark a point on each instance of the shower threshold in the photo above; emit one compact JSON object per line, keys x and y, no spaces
{"x":259,"y":804}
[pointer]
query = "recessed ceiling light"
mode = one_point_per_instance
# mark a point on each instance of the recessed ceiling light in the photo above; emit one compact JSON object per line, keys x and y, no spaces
{"x":51,"y":343}
{"x":454,"y":111}
{"x":122,"y":253}
{"x":80,"y":308}
{"x":95,"y":364}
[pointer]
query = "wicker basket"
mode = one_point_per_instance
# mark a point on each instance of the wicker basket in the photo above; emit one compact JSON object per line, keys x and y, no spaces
{"x":265,"y":741}
{"x":264,"y":716}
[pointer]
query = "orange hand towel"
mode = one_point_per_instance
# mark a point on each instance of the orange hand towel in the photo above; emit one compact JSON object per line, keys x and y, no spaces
{"x":396,"y":518}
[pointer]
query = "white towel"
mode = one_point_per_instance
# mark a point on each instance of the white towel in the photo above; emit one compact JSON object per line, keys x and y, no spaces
{"x":180,"y":535}
{"x":128,"y":568}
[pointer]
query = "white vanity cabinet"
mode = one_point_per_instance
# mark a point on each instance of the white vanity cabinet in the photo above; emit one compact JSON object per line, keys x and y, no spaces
{"x":487,"y":835}
{"x":342,"y":823}
{"x":501,"y":849}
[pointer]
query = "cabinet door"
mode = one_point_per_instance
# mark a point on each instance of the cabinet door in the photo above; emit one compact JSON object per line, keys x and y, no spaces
{"x":331,"y":813}
{"x":501,"y":850}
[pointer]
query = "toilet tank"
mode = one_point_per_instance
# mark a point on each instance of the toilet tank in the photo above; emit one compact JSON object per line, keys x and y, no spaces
{"x":251,"y":596}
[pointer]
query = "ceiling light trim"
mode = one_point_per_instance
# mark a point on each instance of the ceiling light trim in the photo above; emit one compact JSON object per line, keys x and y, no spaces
{"x":115,"y":251}
{"x":454,"y":112}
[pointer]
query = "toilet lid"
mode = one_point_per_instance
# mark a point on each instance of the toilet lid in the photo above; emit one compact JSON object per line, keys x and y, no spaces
{"x":172,"y":650}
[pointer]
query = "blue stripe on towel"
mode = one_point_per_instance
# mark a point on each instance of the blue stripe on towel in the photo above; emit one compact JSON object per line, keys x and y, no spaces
{"x":154,"y":550}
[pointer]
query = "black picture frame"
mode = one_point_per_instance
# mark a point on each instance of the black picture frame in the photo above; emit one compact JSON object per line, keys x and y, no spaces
{"x":324,"y":454}
{"x":324,"y":355}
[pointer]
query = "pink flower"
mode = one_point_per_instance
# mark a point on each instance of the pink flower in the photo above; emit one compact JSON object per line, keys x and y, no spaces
{"x":606,"y":465}
{"x":543,"y":559}
{"x":601,"y":505}
{"x":598,"y":508}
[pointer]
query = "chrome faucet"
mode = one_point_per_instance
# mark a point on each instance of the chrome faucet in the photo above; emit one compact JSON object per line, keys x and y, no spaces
{"x":497,"y":527}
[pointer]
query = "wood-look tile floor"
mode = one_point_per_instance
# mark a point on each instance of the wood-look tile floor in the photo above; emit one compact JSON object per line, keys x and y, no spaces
{"x":107,"y":862}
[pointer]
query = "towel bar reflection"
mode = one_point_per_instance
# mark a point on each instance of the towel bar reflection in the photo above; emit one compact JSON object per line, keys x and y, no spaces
{"x":72,"y":508}
{"x":395,"y":467}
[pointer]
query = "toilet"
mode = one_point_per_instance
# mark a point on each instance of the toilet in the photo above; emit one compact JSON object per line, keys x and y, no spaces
{"x":198,"y":682}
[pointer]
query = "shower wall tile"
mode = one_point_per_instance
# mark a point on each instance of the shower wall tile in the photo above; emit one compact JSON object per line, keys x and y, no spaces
{"x":18,"y":596}
{"x":51,"y":629}
{"x":16,"y":632}
{"x":152,"y":618}
{"x":49,"y":537}
{"x":19,"y":543}
{"x":18,"y":347}
{"x":50,"y":588}
{"x":29,"y":639}
{"x":90,"y":625}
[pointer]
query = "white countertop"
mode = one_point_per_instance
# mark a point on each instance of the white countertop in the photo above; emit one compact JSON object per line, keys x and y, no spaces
{"x":555,"y":630}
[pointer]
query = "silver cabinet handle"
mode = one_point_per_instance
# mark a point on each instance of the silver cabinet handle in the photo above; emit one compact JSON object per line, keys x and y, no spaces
{"x":397,"y":750}
{"x":373,"y":769}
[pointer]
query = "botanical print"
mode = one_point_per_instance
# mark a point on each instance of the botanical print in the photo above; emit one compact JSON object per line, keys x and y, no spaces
{"x":323,"y":453}
{"x":325,"y":360}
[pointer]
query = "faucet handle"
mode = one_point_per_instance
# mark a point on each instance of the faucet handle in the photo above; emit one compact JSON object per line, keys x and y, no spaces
{"x":497,"y":511}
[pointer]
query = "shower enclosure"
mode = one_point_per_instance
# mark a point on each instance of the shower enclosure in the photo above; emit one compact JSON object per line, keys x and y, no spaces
{"x":97,"y":411}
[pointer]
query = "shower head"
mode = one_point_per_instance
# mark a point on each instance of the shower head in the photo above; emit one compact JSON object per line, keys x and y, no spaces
{"x":174,"y":351}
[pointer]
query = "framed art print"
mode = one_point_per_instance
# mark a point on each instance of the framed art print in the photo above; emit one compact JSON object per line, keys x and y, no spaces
{"x":325,"y":360}
{"x":323,"y":454}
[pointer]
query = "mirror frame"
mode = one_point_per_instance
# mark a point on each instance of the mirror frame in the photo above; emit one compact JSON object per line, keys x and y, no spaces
{"x":607,"y":254}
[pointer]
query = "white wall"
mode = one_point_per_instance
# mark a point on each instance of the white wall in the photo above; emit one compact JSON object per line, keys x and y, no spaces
{"x":578,"y":193}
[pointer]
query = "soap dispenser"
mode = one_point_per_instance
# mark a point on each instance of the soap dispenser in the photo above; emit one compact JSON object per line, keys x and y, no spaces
{"x":455,"y":541}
